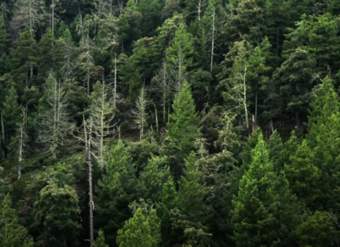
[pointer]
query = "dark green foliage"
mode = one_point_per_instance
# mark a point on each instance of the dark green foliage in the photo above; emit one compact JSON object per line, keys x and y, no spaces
{"x":100,"y":241}
{"x":57,"y":215}
{"x":142,"y":229}
{"x":111,"y":106}
{"x":183,"y":129}
{"x":263,"y":202}
{"x":12,"y":234}
{"x":116,"y":189}
{"x":318,"y":229}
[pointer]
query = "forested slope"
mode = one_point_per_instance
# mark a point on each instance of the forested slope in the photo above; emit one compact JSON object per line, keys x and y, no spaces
{"x":169,"y":123}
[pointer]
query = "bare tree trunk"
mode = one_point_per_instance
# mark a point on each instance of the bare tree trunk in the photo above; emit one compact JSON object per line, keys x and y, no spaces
{"x":199,"y":9}
{"x":52,"y":17}
{"x":88,"y":140}
{"x":245,"y":97}
{"x":212,"y":42}
{"x":30,"y":17}
{"x":3,"y":135}
{"x":165,"y":92}
{"x":142,"y":114}
{"x":21,"y":143}
{"x":156,"y":118}
{"x":101,"y":130}
{"x":115,"y":84}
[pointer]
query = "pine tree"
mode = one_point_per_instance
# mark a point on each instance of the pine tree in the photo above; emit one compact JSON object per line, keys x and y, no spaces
{"x":318,"y":229}
{"x":57,"y":207}
{"x":246,"y":21}
{"x":141,"y":114}
{"x":116,"y":189}
{"x":153,"y":177}
{"x":12,"y":234}
{"x":263,"y":203}
{"x":53,"y":117}
{"x":183,"y":129}
{"x":100,"y":241}
{"x":191,"y":205}
{"x":323,"y":139}
{"x":179,"y":55}
{"x":244,"y":79}
{"x":101,"y":115}
{"x":294,"y":81}
{"x":303,"y":175}
{"x":143,"y":229}
{"x":29,"y":15}
{"x":4,"y":42}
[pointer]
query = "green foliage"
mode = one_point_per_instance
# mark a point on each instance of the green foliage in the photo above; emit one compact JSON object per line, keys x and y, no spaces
{"x":142,"y":229}
{"x":183,"y":128}
{"x":179,"y":55}
{"x":75,"y":97}
{"x":12,"y":234}
{"x":57,"y":215}
{"x":263,"y":202}
{"x":318,"y":229}
{"x":303,"y":175}
{"x":117,"y":187}
{"x":100,"y":241}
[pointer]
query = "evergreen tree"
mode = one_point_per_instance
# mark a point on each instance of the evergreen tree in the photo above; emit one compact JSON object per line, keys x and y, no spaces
{"x":323,"y":139}
{"x":246,"y":20}
{"x":318,"y":229}
{"x":9,"y":119}
{"x":12,"y":234}
{"x":142,"y":229}
{"x":116,"y":189}
{"x":263,"y":202}
{"x":179,"y":55}
{"x":4,"y":42}
{"x":54,"y":121}
{"x":191,"y":205}
{"x":303,"y":175}
{"x":141,"y":114}
{"x":153,"y":177}
{"x":183,"y":129}
{"x":100,"y":241}
{"x":100,"y":119}
{"x":291,"y":93}
{"x":57,"y":215}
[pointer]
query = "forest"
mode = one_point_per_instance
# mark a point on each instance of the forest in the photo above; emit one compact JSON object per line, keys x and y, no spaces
{"x":169,"y":123}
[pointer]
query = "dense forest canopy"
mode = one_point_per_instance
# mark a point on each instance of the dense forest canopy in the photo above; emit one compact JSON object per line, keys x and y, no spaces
{"x":193,"y":123}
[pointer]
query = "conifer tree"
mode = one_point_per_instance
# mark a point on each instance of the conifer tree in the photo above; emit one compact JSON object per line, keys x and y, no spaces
{"x":116,"y":189}
{"x":179,"y":55}
{"x":143,"y":229}
{"x":323,"y":139}
{"x":303,"y":175}
{"x":29,"y":15}
{"x":12,"y":234}
{"x":53,"y":117}
{"x":141,"y":114}
{"x":9,"y":120}
{"x":100,"y":241}
{"x":101,"y":115}
{"x":57,"y":207}
{"x":246,"y":21}
{"x":191,"y":205}
{"x":4,"y":42}
{"x":183,"y":129}
{"x":263,"y":202}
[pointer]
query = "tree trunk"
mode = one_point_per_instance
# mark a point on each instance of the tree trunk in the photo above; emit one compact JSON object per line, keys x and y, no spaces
{"x":245,"y":97}
{"x":212,"y":42}
{"x":115,"y":84}
{"x":165,"y":92}
{"x":88,"y":140}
